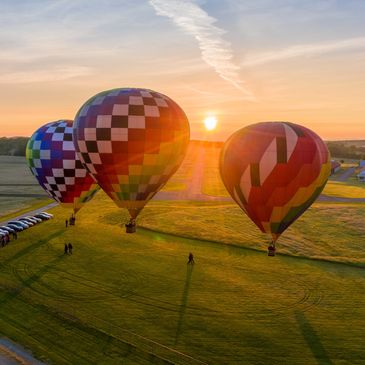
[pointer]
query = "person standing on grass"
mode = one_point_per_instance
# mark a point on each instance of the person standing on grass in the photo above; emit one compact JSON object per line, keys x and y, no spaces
{"x":66,"y":223}
{"x":70,"y":248}
{"x":191,"y":258}
{"x":66,"y":249}
{"x":15,"y":235}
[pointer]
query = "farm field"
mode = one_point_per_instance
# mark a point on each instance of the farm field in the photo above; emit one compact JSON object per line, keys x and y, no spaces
{"x":132,"y":299}
{"x":18,"y":188}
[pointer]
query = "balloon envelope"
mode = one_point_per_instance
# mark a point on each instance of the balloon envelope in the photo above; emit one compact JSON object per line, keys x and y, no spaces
{"x":274,"y":171}
{"x":131,"y":141}
{"x":51,"y":156}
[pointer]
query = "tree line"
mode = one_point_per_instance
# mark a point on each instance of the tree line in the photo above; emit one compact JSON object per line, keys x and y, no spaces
{"x":340,"y":149}
{"x":15,"y":146}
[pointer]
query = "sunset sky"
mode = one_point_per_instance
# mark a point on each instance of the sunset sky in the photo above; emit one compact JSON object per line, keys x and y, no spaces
{"x":242,"y":61}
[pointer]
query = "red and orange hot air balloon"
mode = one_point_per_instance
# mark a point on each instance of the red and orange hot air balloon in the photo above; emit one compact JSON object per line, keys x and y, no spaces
{"x":131,"y":141}
{"x":274,"y":171}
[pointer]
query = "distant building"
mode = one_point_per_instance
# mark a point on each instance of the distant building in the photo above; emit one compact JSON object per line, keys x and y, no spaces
{"x":335,"y":166}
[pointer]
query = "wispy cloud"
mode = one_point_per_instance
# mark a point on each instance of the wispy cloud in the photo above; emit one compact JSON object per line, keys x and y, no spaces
{"x":56,"y":74}
{"x":304,"y":50}
{"x":216,"y":52}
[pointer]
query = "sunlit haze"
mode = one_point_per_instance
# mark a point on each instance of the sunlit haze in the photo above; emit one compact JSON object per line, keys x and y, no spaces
{"x":248,"y":61}
{"x":210,"y":123}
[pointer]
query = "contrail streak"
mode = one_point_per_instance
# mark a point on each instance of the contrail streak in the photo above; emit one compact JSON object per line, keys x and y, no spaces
{"x":215,"y":51}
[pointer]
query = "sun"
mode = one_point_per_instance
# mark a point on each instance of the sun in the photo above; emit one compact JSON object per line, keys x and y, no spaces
{"x":210,"y":123}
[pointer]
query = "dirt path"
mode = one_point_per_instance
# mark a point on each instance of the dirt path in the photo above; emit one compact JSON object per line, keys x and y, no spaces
{"x":31,"y":212}
{"x":337,"y":199}
{"x":12,"y":354}
{"x":346,"y":174}
{"x":194,"y":185}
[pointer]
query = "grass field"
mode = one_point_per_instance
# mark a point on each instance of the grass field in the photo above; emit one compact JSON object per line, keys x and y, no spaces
{"x":348,"y":189}
{"x":326,"y":231}
{"x":131,"y":299}
{"x":212,"y":182}
{"x":183,"y":174}
{"x":18,"y":188}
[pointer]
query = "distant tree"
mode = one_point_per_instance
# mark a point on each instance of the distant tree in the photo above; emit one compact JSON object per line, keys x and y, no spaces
{"x":342,"y":150}
{"x":14,"y":146}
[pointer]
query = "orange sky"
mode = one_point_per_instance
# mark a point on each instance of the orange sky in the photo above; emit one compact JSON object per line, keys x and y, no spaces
{"x":241,"y":66}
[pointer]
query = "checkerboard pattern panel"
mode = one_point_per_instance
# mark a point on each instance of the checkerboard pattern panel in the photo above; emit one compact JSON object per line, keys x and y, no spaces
{"x":131,"y":141}
{"x":53,"y":161}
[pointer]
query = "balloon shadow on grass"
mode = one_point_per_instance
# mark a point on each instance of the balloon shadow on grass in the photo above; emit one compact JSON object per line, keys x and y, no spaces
{"x":184,"y":301}
{"x":24,"y":284}
{"x":27,"y":283}
{"x":312,"y":339}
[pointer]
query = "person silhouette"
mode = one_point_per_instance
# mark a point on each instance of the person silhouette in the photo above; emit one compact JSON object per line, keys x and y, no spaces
{"x":70,"y":248}
{"x":191,"y":258}
{"x":66,"y":249}
{"x":271,"y":249}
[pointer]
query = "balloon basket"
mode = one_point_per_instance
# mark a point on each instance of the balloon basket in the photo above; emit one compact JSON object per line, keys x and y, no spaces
{"x":130,"y":228}
{"x":271,"y":253}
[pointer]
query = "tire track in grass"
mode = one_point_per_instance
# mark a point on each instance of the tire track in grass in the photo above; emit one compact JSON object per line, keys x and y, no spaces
{"x":96,"y":291}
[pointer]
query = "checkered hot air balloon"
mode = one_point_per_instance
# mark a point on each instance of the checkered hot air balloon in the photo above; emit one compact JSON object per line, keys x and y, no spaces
{"x":274,"y":171}
{"x":51,"y":157}
{"x":131,"y":141}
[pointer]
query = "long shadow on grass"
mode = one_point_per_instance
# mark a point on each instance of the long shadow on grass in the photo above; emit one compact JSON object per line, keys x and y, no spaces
{"x":32,"y":247}
{"x":13,"y":293}
{"x":312,"y":339}
{"x":184,"y":301}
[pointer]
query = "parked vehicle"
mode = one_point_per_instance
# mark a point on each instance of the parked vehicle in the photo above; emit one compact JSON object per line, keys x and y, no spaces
{"x":26,"y":221}
{"x":36,"y":220}
{"x":8,"y":229}
{"x":43,"y":217}
{"x":16,"y":227}
{"x":21,"y":224}
{"x":30,"y":219}
{"x":49,"y":214}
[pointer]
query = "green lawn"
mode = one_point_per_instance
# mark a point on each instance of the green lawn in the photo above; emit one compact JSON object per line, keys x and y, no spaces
{"x":178,"y":181}
{"x":348,"y":189}
{"x":131,"y":299}
{"x":212,"y":182}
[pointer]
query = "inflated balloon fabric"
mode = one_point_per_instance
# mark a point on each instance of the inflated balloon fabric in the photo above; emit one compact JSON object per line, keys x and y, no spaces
{"x":51,"y":156}
{"x":131,"y":141}
{"x":274,"y":171}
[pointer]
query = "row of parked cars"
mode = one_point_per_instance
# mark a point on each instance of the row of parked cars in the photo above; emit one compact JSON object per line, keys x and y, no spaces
{"x":23,"y":223}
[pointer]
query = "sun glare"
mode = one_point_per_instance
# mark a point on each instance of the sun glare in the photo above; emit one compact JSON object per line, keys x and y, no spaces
{"x":210,"y":123}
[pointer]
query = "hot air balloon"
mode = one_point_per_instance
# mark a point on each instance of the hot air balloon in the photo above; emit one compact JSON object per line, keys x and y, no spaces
{"x":51,"y":157}
{"x":274,"y":171}
{"x":131,"y":141}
